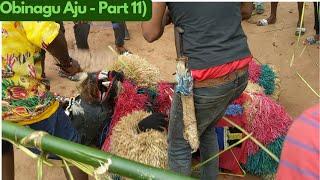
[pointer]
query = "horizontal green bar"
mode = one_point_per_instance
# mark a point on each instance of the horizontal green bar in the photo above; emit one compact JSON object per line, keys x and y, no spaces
{"x":75,"y":10}
{"x":88,"y":155}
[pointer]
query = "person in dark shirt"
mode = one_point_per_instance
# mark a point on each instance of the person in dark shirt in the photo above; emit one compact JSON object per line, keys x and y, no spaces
{"x":218,"y":53}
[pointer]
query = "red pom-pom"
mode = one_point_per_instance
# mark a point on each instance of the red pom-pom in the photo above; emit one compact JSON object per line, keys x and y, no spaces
{"x":127,"y":102}
{"x":163,"y":100}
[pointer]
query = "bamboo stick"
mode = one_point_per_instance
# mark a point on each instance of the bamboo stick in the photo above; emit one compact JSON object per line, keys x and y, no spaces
{"x":88,"y":155}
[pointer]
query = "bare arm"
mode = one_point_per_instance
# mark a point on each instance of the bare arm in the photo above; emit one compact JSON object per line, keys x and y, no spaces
{"x":153,"y":29}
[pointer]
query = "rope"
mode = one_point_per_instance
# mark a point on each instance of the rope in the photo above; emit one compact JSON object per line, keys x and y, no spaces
{"x":35,"y":137}
{"x":99,"y":173}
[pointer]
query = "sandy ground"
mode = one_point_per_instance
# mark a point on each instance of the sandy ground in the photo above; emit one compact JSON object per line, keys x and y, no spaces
{"x":273,"y":44}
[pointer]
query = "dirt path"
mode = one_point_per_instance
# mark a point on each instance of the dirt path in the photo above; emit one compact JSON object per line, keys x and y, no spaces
{"x":273,"y":44}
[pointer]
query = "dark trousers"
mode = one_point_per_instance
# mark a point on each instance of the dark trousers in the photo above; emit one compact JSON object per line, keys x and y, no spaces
{"x":119,"y":29}
{"x":316,"y":16}
{"x":81,"y":33}
{"x":210,"y":106}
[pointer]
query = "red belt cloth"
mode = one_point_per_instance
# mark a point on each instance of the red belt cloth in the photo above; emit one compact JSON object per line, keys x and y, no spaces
{"x":219,"y":71}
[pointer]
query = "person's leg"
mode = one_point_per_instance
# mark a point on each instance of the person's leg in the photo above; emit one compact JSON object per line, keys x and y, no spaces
{"x":62,"y":29}
{"x":273,"y":16}
{"x":179,"y":150}
{"x":315,"y":39}
{"x":43,"y":57}
{"x":7,"y":161}
{"x":302,"y":30}
{"x":59,"y":125}
{"x":81,"y":33}
{"x":119,"y":35}
{"x":208,"y":148}
{"x":316,"y":19}
{"x":127,"y":35}
{"x":300,"y":7}
{"x":210,"y":105}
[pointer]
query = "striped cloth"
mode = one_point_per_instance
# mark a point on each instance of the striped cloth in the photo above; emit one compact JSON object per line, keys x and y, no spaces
{"x":300,"y":153}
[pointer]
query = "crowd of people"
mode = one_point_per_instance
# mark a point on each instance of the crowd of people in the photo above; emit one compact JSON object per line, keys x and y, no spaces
{"x":217,"y":54}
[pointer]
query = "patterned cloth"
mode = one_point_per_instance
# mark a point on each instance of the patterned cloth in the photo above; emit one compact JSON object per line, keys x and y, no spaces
{"x":25,"y":96}
{"x":301,"y":149}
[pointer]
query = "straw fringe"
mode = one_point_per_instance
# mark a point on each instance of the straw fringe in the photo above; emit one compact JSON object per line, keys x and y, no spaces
{"x":190,"y":122}
{"x":137,"y":69}
{"x":253,"y":88}
{"x":148,"y":147}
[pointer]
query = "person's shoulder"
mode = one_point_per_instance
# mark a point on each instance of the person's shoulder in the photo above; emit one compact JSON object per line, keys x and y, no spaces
{"x":312,"y":114}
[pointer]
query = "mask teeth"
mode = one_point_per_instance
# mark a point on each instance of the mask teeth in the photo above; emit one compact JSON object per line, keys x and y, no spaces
{"x":103,"y":97}
{"x":103,"y":75}
{"x":106,"y":84}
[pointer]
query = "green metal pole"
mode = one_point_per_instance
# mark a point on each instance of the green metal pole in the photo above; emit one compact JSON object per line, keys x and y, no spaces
{"x":90,"y":156}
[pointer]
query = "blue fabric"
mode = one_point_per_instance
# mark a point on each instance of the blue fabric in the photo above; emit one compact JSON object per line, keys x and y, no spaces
{"x":220,"y":135}
{"x":234,"y":110}
{"x":185,"y":84}
{"x":103,"y":134}
{"x":58,"y":125}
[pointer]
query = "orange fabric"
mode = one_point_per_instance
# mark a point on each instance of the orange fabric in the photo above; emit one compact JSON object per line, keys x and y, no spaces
{"x":219,"y":71}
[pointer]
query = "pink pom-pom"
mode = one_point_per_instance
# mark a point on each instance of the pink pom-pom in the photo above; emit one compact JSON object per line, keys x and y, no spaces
{"x":254,"y":71}
{"x":267,"y":120}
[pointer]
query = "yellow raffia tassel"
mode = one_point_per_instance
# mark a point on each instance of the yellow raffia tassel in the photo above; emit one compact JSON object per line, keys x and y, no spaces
{"x":301,"y":22}
{"x":137,"y":69}
{"x":68,"y":169}
{"x":190,"y":132}
{"x":148,"y":147}
{"x":40,"y":167}
{"x":254,"y":88}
